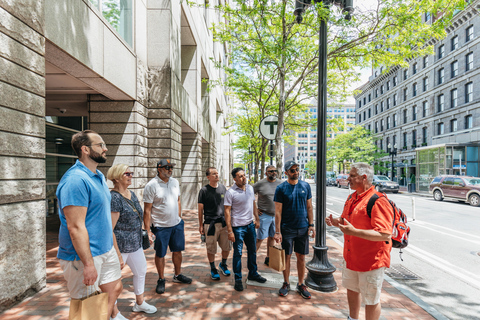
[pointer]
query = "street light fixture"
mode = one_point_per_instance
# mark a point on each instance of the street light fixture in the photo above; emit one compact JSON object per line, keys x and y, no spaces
{"x":320,"y":270}
{"x":392,"y":152}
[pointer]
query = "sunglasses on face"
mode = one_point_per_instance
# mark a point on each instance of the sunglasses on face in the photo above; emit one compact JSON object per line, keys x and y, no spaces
{"x":293,"y":170}
{"x":272,"y":171}
{"x":129,"y":174}
{"x":167,"y":167}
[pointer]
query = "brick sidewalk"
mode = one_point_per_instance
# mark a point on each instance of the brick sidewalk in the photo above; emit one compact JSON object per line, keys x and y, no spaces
{"x":208,"y":299}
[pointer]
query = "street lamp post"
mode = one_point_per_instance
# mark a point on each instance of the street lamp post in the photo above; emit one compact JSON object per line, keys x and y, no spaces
{"x":392,"y":152}
{"x":320,"y":270}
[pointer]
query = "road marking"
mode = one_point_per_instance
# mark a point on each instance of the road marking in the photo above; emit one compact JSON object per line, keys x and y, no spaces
{"x":421,"y":223}
{"x":336,"y":199}
{"x":447,"y":234}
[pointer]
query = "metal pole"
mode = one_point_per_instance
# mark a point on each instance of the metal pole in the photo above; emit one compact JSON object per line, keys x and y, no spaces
{"x":271,"y":152}
{"x":320,"y":270}
{"x":392,"y":152}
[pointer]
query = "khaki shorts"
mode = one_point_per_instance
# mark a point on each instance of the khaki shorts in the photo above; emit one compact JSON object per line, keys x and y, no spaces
{"x":368,"y":283}
{"x":108,"y":270}
{"x":221,"y":236}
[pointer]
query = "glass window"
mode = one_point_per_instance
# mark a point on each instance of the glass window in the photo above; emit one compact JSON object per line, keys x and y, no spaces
{"x":382,"y":89}
{"x":376,"y":93}
{"x":469,"y":34}
{"x":376,"y":109}
{"x":381,"y":106}
{"x":441,"y":51}
{"x":364,"y":100}
{"x":388,"y":103}
{"x":404,"y":140}
{"x":414,"y":113}
{"x":425,"y":108}
{"x":425,"y":84}
{"x":469,"y":92}
{"x":469,"y":122}
{"x":414,"y":69}
{"x":440,"y":103}
{"x":388,"y":85}
{"x":119,"y":13}
{"x":424,"y":135}
{"x":359,"y":118}
{"x":453,"y":125}
{"x":405,"y":94}
{"x":454,"y":43}
{"x":454,"y":69}
{"x":394,"y":99}
{"x":359,"y":104}
{"x":405,"y":116}
{"x":440,"y":128}
{"x":369,"y":97}
{"x":428,"y":15}
{"x":405,"y":74}
{"x":469,"y":61}
{"x":441,"y":75}
{"x":369,"y":113}
{"x":425,"y":61}
{"x":382,"y":124}
{"x":453,"y":98}
{"x":414,"y":89}
{"x":394,"y":120}
{"x":376,"y":126}
{"x":414,"y":138}
{"x":395,"y":81}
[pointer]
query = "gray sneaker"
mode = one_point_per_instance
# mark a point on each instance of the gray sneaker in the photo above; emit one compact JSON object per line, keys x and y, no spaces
{"x":182,"y":279}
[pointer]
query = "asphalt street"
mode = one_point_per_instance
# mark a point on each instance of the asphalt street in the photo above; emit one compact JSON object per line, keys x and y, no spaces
{"x":441,"y":263}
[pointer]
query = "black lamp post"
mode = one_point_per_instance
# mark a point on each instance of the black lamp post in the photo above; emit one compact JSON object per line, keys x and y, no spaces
{"x":392,"y":152}
{"x":320,"y":270}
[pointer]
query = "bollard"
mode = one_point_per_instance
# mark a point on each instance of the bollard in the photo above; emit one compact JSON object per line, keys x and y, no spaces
{"x":413,"y":208}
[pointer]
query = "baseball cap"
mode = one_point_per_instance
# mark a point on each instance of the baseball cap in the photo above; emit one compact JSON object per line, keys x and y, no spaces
{"x":165,"y":162}
{"x":290,"y":164}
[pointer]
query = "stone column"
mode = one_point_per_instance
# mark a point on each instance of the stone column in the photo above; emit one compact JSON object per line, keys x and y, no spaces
{"x":22,"y":156}
{"x":123,"y":127}
{"x":208,"y":160}
{"x":191,"y":169}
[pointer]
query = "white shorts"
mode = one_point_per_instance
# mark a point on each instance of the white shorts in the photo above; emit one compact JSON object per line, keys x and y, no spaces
{"x":108,"y":270}
{"x":368,"y":283}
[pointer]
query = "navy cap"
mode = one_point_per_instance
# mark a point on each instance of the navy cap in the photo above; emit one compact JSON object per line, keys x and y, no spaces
{"x":165,"y":162}
{"x":290,"y":164}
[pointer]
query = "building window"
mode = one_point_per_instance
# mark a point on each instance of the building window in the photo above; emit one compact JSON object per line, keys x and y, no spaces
{"x":376,"y":126}
{"x":454,"y":43}
{"x":364,"y":115}
{"x":388,"y":103}
{"x":469,"y":92}
{"x":404,"y":140}
{"x":469,"y":34}
{"x":376,"y":93}
{"x":381,"y":144}
{"x":369,"y":97}
{"x":405,"y":116}
{"x":440,"y":128}
{"x":394,"y":141}
{"x":405,"y":94}
{"x":376,"y":109}
{"x":395,"y":81}
{"x":441,"y":51}
{"x":364,"y":100}
{"x":359,"y":104}
{"x":394,"y":120}
{"x":425,"y":84}
{"x":405,"y":74}
{"x":453,"y":98}
{"x":441,"y":75}
{"x":453,"y":125}
{"x":388,"y":122}
{"x":387,"y":142}
{"x":414,"y":89}
{"x":469,"y":122}
{"x":414,"y":138}
{"x":425,"y":108}
{"x":359,"y":118}
{"x":388,"y":85}
{"x":414,"y":69}
{"x":382,"y":125}
{"x":381,"y":106}
{"x":469,"y":61}
{"x":425,"y":61}
{"x":424,"y":135}
{"x":394,"y":99}
{"x":369,"y":113}
{"x":414,"y":113}
{"x":382,"y":89}
{"x":428,"y":15}
{"x":440,"y":103}
{"x":119,"y":15}
{"x":454,"y":69}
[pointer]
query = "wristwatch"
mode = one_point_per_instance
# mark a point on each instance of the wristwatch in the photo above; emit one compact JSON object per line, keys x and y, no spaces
{"x":311,"y":225}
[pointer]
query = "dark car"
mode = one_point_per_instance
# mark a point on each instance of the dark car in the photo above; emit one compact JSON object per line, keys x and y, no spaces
{"x":342,"y":181}
{"x":451,"y":187}
{"x":383,"y":184}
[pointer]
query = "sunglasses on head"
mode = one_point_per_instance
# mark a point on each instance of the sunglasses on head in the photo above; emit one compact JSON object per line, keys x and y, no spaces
{"x":167,"y":167}
{"x":272,"y":171}
{"x":293,"y":170}
{"x":129,"y":174}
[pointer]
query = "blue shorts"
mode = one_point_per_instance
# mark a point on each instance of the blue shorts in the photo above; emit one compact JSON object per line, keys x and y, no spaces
{"x":172,"y":237}
{"x":267,"y":227}
{"x":295,"y":240}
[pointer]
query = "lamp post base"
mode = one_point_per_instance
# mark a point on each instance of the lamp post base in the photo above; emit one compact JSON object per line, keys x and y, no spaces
{"x":320,"y":271}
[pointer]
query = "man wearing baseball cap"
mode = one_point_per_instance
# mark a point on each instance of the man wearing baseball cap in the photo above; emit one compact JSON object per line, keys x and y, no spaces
{"x":293,"y":223}
{"x":163,"y":212}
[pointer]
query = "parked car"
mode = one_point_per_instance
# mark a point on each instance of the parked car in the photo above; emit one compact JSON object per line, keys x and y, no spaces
{"x":331,"y":179}
{"x":383,"y":184}
{"x":451,"y":187}
{"x":342,"y":181}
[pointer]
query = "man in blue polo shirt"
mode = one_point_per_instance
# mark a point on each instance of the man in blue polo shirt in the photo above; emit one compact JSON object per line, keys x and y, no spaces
{"x":86,"y":251}
{"x":240,"y":208}
{"x":293,"y":224}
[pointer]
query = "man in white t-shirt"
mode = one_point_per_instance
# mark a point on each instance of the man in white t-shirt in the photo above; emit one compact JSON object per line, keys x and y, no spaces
{"x":163,"y":212}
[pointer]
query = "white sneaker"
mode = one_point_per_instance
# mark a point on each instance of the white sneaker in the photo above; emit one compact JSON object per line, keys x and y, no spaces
{"x":118,"y":317}
{"x":144,"y":307}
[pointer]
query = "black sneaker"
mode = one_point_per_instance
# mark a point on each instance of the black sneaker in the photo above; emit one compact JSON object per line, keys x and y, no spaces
{"x":302,"y":290}
{"x":182,"y":279}
{"x":267,"y":260}
{"x":257,"y":278}
{"x":283,"y":292}
{"x":238,"y":286}
{"x":160,"y":286}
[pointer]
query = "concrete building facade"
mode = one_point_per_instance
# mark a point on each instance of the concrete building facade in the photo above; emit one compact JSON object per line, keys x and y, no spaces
{"x":433,"y":101}
{"x":137,"y":72}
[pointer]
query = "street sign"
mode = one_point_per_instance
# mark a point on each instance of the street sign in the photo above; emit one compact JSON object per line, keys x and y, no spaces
{"x":268,"y":127}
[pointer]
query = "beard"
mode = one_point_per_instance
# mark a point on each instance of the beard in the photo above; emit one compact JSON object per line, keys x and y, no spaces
{"x":97,"y":157}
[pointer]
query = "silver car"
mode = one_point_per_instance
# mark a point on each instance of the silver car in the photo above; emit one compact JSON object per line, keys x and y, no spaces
{"x":384,"y":184}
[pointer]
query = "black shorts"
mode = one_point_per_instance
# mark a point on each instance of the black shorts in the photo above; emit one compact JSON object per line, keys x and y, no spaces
{"x":295,"y":240}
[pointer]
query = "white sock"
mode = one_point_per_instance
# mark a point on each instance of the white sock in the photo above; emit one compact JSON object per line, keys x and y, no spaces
{"x":350,"y":318}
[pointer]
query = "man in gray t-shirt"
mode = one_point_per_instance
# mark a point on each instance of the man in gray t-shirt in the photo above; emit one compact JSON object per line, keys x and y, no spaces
{"x":265,"y":189}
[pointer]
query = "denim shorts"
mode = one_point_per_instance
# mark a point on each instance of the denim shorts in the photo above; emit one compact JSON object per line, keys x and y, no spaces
{"x":295,"y":240}
{"x":267,"y":227}
{"x":171,"y":237}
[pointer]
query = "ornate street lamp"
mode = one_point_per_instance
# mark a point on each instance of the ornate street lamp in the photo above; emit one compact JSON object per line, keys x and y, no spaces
{"x":392,"y":152}
{"x":320,"y":270}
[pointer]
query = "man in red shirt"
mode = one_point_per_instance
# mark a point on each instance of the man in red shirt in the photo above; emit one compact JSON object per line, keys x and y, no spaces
{"x":367,"y":243}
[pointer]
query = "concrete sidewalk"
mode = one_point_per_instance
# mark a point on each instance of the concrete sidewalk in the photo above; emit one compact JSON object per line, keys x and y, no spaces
{"x":208,"y":299}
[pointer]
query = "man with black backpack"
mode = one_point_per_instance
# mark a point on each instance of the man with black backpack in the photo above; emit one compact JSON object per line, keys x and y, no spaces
{"x":367,"y":243}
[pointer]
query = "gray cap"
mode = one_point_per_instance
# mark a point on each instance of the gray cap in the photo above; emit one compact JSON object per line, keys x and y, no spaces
{"x":289,"y":164}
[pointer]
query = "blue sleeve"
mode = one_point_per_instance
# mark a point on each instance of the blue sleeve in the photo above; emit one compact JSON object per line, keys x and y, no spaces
{"x":309,"y":192}
{"x":74,"y":193}
{"x":278,"y":197}
{"x":228,"y":199}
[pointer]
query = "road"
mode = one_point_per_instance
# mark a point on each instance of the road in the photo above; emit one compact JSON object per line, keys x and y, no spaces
{"x":441,"y":264}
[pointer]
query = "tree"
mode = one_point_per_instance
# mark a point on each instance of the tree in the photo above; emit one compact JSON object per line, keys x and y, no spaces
{"x":274,"y":60}
{"x":311,"y":167}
